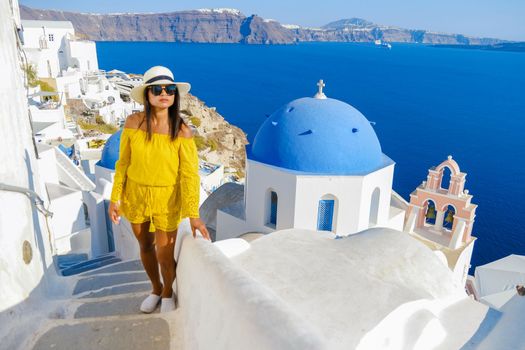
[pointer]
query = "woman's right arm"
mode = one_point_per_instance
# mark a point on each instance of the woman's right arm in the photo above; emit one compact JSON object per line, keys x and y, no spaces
{"x":121,"y":168}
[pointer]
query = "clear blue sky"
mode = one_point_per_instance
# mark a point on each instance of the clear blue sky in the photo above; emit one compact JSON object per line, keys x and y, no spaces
{"x":503,"y":19}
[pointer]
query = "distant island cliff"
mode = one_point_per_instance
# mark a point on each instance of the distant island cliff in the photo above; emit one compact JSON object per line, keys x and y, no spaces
{"x":510,"y":47}
{"x":231,"y":26}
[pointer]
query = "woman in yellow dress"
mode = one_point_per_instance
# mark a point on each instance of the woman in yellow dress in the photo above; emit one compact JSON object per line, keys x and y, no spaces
{"x":156,"y":181}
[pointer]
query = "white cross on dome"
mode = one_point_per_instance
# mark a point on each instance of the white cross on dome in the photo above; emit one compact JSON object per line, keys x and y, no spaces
{"x":320,"y":94}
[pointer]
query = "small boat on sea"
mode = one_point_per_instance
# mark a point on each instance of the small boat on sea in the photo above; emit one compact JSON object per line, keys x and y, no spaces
{"x":383,"y":44}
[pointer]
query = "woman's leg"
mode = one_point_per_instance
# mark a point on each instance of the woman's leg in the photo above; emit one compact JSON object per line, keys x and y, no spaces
{"x":147,"y":254}
{"x":165,"y":242}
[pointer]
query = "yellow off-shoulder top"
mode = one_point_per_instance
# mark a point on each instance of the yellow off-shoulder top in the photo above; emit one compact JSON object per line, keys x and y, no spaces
{"x":159,"y":162}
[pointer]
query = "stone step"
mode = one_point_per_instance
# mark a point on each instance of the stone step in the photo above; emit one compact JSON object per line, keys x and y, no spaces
{"x":149,"y":333}
{"x":126,"y":266}
{"x":128,"y":305}
{"x":104,"y":313}
{"x":89,"y":265}
{"x":64,"y":261}
{"x":119,"y":290}
{"x":96,"y":282}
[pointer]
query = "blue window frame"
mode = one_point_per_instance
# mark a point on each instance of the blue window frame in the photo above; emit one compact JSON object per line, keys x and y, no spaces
{"x":325,"y":214}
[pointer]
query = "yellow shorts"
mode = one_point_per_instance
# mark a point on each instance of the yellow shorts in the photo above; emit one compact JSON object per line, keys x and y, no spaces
{"x":157,"y":204}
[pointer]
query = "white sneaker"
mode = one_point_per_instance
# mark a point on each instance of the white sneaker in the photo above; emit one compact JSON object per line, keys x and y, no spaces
{"x":167,"y":305}
{"x":150,"y":303}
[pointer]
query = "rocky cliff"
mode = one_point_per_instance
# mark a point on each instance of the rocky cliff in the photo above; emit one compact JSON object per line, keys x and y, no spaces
{"x":198,"y":26}
{"x":231,"y":26}
{"x":217,"y":140}
{"x":360,"y":30}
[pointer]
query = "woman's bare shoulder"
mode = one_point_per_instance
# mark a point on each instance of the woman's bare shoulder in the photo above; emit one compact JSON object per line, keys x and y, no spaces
{"x":185,"y":131}
{"x":133,"y":120}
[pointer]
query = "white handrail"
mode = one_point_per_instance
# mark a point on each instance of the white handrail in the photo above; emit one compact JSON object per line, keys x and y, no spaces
{"x":73,"y":171}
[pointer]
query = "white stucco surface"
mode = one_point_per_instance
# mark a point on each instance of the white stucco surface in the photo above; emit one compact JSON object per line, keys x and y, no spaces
{"x":346,"y":288}
{"x":500,"y":275}
{"x":52,"y":47}
{"x":232,"y":247}
{"x":82,"y":55}
{"x":23,"y":286}
{"x":223,"y":307}
{"x":501,"y":329}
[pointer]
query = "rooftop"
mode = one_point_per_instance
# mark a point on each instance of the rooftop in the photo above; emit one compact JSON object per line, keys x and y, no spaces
{"x":29,"y":23}
{"x":349,"y":288}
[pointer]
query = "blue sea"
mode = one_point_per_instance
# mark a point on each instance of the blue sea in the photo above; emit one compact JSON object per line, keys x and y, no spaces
{"x":427,"y":103}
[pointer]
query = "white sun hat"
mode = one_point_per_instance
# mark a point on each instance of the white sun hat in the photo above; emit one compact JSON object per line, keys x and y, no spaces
{"x":157,"y":75}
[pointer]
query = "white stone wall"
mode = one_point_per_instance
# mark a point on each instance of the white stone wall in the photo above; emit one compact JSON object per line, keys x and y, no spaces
{"x":83,"y":55}
{"x":69,"y":84}
{"x":34,"y":33}
{"x":381,"y":179}
{"x":46,"y":62}
{"x":298,"y":198}
{"x":20,"y":284}
{"x":228,"y":226}
{"x":353,"y":200}
{"x":224,"y":307}
{"x":346,"y":190}
{"x":463,"y":264}
{"x":55,"y":115}
{"x":47,"y":164}
{"x":260,"y":180}
{"x":53,"y":48}
{"x":16,"y":13}
{"x":69,"y":214}
{"x":98,"y":225}
{"x":397,"y":219}
{"x":47,"y":47}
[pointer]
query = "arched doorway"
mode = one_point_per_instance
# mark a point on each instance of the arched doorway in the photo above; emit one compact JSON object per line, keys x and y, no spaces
{"x":374,"y":207}
{"x":272,"y":209}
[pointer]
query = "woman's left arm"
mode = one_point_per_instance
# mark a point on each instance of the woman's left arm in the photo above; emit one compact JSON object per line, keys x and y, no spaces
{"x":190,"y":183}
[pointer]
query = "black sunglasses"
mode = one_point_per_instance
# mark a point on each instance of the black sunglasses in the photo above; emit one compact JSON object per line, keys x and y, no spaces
{"x":156,"y":90}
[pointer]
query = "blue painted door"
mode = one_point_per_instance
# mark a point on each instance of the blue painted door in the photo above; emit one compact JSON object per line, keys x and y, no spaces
{"x":325,"y":214}
{"x":273,"y":208}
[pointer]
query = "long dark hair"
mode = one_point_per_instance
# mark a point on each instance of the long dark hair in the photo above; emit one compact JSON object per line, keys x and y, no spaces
{"x":174,"y":118}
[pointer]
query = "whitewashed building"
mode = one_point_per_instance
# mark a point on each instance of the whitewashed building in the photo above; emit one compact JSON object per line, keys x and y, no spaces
{"x":103,"y":97}
{"x":52,"y":47}
{"x":70,"y":66}
{"x":316,"y":163}
{"x":59,"y":57}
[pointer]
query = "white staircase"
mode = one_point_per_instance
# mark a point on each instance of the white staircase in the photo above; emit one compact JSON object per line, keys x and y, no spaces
{"x":103,"y":313}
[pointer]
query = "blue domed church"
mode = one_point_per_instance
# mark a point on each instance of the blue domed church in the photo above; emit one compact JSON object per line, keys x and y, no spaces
{"x":315,"y":163}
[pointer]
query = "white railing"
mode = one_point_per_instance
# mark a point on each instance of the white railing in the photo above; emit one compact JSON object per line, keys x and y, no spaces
{"x":76,"y":176}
